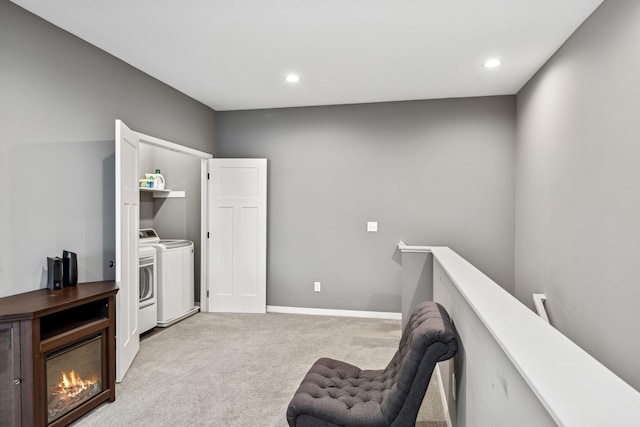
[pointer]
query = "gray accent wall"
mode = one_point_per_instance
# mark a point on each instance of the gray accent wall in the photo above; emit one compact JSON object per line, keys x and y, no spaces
{"x":578,"y":187}
{"x":429,"y":172}
{"x":59,"y":98}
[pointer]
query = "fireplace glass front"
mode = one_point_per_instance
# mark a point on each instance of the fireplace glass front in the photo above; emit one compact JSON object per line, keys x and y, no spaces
{"x":74,"y":376}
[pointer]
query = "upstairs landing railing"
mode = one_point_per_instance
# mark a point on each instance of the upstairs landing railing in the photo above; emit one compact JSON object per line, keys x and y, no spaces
{"x":513,"y":369}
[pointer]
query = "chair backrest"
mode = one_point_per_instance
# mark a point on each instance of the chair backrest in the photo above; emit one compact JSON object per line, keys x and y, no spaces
{"x":427,"y":339}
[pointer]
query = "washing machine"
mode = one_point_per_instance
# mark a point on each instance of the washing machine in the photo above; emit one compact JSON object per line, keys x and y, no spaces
{"x":175,"y":278}
{"x":148,"y":288}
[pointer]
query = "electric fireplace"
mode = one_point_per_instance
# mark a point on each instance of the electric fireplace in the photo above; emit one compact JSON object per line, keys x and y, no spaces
{"x":74,"y":376}
{"x":57,"y":354}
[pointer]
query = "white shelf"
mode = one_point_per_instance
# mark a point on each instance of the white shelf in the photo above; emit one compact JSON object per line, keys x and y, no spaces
{"x":163,"y":194}
{"x":148,"y":190}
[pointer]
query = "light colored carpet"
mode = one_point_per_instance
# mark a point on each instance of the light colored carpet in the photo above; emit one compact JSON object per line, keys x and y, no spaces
{"x":242,"y":369}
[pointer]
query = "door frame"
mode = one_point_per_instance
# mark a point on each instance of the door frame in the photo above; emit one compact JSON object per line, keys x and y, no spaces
{"x":204,"y":205}
{"x":204,"y":208}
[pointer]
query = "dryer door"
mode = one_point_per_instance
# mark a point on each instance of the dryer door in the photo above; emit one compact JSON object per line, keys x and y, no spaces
{"x":147,"y":277}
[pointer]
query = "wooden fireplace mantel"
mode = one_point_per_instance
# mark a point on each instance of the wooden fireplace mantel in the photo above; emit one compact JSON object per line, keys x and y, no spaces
{"x":43,"y":321}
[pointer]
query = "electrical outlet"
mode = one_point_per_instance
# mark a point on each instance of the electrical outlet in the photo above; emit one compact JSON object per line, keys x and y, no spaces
{"x":372,"y":226}
{"x":316,"y":286}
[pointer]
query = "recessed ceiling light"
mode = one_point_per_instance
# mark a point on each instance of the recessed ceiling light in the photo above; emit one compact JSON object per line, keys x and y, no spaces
{"x":492,"y":63}
{"x":293,"y":78}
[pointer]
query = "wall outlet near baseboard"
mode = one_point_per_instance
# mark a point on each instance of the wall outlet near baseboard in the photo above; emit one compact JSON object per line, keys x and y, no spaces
{"x":316,"y":286}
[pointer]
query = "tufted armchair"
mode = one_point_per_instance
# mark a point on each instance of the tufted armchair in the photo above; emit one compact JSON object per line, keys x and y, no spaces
{"x":335,"y":393}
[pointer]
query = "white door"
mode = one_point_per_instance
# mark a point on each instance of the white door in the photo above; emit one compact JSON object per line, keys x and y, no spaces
{"x":237,"y":235}
{"x":127,"y":220}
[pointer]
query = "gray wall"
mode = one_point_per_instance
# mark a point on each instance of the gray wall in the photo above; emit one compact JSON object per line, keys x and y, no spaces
{"x":430,"y":172}
{"x":60,"y":97}
{"x":578,"y":202}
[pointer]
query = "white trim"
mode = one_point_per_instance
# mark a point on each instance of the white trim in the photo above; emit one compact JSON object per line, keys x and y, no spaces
{"x":443,"y":397}
{"x":404,"y":248}
{"x":204,"y":241}
{"x":331,"y":312}
{"x":152,"y":140}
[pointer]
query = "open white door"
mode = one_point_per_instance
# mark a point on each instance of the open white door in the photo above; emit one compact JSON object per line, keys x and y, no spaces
{"x":127,"y":219}
{"x":238,"y":235}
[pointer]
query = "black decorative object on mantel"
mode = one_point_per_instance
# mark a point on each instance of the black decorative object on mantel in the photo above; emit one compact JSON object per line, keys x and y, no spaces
{"x":70,"y":268}
{"x":54,"y":273}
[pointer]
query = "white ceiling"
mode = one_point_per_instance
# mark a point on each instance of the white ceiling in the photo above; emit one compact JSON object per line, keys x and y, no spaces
{"x":234,"y":54}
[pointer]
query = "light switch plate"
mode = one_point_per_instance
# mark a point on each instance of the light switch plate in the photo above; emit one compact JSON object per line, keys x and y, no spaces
{"x":372,"y":226}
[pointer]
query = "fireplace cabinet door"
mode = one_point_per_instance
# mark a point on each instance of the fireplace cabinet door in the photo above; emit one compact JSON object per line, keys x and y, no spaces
{"x":10,"y":376}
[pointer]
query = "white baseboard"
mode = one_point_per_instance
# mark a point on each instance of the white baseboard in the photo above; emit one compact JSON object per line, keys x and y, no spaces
{"x":443,"y":397}
{"x":331,"y":312}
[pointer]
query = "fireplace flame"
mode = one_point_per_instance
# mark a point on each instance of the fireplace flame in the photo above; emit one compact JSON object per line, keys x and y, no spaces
{"x":72,"y":385}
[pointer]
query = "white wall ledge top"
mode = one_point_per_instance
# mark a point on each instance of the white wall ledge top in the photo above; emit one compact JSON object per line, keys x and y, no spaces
{"x":404,"y":248}
{"x":574,"y":387}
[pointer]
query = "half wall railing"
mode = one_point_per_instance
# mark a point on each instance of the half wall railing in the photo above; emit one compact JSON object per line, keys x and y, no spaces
{"x":513,"y":368}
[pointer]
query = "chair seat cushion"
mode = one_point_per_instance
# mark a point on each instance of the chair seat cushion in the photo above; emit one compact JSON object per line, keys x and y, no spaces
{"x":336,"y":391}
